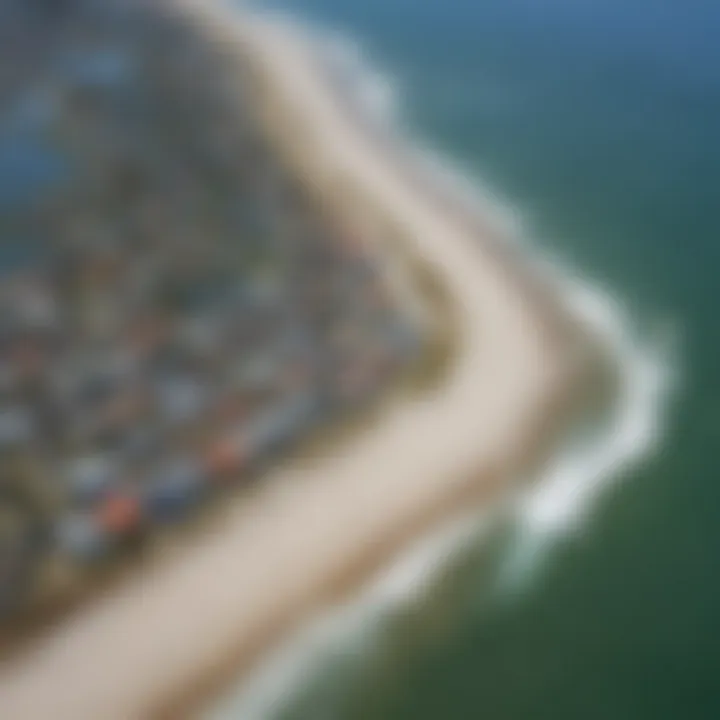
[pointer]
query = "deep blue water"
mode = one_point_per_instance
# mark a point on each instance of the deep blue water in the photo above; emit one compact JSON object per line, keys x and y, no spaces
{"x":600,"y":120}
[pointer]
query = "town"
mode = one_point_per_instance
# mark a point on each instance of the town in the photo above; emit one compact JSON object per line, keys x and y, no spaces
{"x":175,"y":310}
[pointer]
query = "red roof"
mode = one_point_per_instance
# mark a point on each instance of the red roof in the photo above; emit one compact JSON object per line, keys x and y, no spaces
{"x":224,"y":456}
{"x":120,"y":514}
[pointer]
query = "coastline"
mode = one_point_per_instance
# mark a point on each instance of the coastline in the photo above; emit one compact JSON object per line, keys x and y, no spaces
{"x":379,"y":498}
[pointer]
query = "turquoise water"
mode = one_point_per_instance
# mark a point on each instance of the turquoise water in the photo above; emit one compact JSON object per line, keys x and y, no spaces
{"x":600,"y":121}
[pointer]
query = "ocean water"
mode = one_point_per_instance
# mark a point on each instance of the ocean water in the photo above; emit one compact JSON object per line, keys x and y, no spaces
{"x":599,"y":122}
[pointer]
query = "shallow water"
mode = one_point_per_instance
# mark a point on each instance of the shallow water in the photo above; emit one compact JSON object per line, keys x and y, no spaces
{"x":598,"y":122}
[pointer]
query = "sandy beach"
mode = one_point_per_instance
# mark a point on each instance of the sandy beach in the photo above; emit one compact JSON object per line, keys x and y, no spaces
{"x":315,"y":527}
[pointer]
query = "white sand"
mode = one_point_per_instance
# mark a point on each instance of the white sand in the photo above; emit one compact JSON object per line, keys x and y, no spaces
{"x":127,"y":653}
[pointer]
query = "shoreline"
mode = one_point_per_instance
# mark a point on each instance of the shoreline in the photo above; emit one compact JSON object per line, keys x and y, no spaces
{"x":505,"y":363}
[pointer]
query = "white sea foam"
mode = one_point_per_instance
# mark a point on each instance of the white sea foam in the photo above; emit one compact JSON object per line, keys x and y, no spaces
{"x":347,"y":634}
{"x":562,"y":501}
{"x":557,"y":504}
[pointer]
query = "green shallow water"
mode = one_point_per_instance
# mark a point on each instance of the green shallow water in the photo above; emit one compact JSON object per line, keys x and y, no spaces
{"x":599,"y":121}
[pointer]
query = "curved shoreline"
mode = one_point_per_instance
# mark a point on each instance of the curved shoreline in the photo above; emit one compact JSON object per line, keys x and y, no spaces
{"x":420,"y":462}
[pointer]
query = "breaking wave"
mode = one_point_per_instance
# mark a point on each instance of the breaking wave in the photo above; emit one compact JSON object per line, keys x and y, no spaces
{"x":558,"y":503}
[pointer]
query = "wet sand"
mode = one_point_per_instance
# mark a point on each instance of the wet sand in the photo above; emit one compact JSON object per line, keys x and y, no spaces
{"x":319,"y":527}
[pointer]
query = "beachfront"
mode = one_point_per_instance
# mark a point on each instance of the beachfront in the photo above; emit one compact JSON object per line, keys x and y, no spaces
{"x":475,"y":431}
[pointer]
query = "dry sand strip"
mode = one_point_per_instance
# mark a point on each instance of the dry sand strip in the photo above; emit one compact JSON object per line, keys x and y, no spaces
{"x":128,"y":654}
